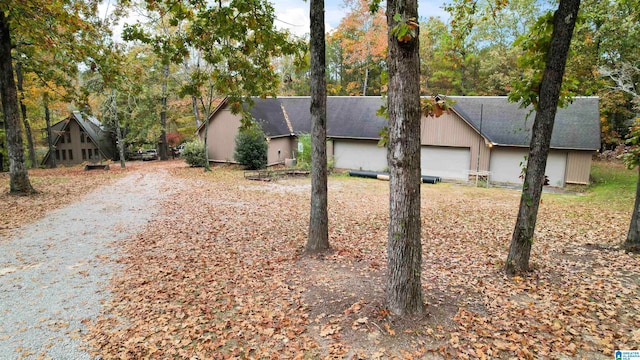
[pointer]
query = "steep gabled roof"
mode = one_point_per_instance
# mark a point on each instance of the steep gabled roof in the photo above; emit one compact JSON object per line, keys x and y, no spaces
{"x":504,"y":123}
{"x":91,"y":126}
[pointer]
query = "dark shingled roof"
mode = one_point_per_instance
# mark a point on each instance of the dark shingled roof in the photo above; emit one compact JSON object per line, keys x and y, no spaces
{"x":347,"y":116}
{"x":268,"y":113}
{"x":504,"y":123}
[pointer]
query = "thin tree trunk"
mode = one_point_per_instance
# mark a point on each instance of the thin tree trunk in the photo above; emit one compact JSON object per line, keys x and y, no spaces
{"x":118,"y":130}
{"x":2,"y":146}
{"x":25,"y":120}
{"x":632,"y":243}
{"x":207,"y":110}
{"x":404,"y":288}
{"x":163,"y":115}
{"x":53,"y":162}
{"x":563,"y":24}
{"x":18,"y":176}
{"x":319,"y":219}
{"x":196,"y":111}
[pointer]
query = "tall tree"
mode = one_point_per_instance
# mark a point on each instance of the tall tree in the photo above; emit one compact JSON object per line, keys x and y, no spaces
{"x":404,"y":249}
{"x":361,"y":47}
{"x":626,"y":77}
{"x":18,"y":176}
{"x":546,"y":104}
{"x":238,"y":39}
{"x":164,"y":32}
{"x":25,"y":119}
{"x":319,"y":219}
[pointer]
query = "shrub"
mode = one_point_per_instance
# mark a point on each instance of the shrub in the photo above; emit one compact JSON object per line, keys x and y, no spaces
{"x":194,"y":154}
{"x":303,"y":158}
{"x":251,"y":148}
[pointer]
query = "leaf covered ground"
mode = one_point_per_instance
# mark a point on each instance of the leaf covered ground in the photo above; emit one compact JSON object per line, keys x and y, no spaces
{"x":55,"y":187}
{"x":220,"y":273}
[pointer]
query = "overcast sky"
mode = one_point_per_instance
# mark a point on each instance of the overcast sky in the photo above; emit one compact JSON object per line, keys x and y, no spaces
{"x":294,"y":14}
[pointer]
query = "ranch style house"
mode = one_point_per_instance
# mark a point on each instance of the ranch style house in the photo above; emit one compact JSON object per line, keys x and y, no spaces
{"x":486,"y":135}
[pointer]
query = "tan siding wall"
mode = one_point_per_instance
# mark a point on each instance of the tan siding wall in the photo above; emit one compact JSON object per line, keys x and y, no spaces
{"x":578,"y":167}
{"x":222,"y":136}
{"x":75,"y":148}
{"x":450,"y":130}
{"x":280,"y":144}
{"x":221,"y":140}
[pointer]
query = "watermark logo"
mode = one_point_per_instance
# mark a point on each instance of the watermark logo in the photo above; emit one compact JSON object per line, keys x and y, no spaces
{"x":627,"y":355}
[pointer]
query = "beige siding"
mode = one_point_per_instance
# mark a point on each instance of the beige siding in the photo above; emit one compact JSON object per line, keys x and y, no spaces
{"x":578,"y":167}
{"x":75,"y":151}
{"x":221,"y":138}
{"x":279,"y":149}
{"x":450,"y":130}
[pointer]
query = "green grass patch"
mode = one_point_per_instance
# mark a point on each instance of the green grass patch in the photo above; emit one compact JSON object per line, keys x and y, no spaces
{"x":612,"y":185}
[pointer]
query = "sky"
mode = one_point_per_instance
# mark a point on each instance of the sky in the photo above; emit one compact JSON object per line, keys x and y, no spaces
{"x":294,"y":14}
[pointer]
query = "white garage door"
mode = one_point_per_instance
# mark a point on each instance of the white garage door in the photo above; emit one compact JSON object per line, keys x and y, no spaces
{"x":446,"y":162}
{"x":359,"y":155}
{"x":506,"y":164}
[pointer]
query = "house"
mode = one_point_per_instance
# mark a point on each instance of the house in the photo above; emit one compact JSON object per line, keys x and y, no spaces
{"x":484,"y":134}
{"x":79,"y":138}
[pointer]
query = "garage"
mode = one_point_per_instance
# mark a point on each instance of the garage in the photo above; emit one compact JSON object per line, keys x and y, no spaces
{"x":359,"y":155}
{"x":446,"y":162}
{"x":506,"y":166}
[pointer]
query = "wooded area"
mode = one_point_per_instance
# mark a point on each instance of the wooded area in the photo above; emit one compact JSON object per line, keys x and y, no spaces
{"x":468,"y":54}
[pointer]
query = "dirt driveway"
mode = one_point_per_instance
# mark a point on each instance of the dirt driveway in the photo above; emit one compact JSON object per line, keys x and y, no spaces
{"x":53,"y":272}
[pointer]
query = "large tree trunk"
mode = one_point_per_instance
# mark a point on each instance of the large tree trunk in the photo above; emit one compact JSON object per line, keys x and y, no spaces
{"x":319,"y":219}
{"x":53,"y":162}
{"x":25,"y":120}
{"x":632,"y":243}
{"x":19,"y":178}
{"x":404,"y":288}
{"x":563,"y":24}
{"x":163,"y":115}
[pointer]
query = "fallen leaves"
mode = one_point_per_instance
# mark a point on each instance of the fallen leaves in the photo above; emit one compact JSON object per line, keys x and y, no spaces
{"x":219,"y":274}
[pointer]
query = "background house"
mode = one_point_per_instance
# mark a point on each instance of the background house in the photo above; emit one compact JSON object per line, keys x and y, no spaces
{"x":479,"y":134}
{"x":79,"y":138}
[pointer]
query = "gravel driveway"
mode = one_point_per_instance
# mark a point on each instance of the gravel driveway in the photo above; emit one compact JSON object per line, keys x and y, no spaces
{"x":53,"y":273}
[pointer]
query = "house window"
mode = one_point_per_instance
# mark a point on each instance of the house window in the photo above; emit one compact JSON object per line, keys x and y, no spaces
{"x":84,"y":154}
{"x":89,"y":153}
{"x":64,"y":154}
{"x":68,"y":135}
{"x":70,"y":154}
{"x":95,"y":153}
{"x":81,"y":136}
{"x":57,"y":154}
{"x":62,"y":138}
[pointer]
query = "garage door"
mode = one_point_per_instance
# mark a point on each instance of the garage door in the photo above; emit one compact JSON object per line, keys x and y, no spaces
{"x":359,"y":155}
{"x":446,"y":162}
{"x":505,"y":166}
